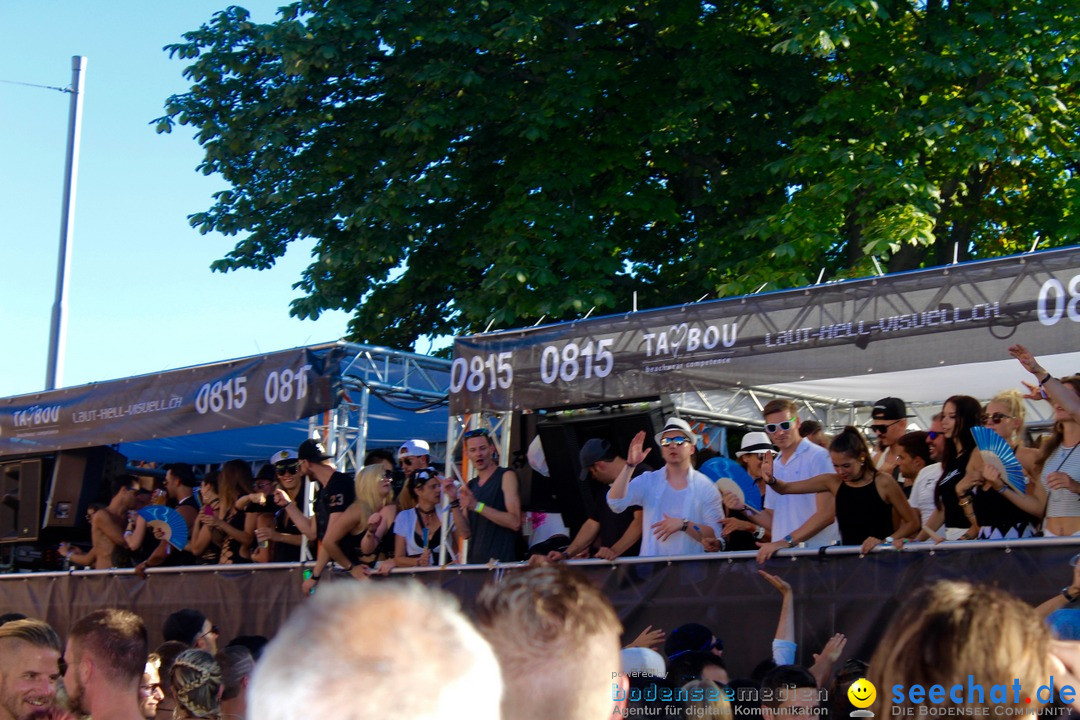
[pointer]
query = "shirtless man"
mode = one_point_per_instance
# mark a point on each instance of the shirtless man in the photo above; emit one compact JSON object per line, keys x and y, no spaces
{"x":107,"y":528}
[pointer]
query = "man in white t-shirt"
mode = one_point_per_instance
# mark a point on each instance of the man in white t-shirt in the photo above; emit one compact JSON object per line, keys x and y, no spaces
{"x":681,"y":508}
{"x":803,"y":519}
{"x":913,"y":459}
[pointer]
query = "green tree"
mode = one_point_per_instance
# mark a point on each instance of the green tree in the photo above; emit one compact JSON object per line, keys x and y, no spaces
{"x":465,"y":163}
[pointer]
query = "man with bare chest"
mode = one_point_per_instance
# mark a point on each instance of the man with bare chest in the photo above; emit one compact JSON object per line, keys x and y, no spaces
{"x":107,"y":530}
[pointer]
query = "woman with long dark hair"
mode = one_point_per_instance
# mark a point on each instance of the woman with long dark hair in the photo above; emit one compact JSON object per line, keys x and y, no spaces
{"x":959,"y":414}
{"x":866,"y":498}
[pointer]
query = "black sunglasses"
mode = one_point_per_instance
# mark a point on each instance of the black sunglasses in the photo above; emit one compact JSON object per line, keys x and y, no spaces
{"x":879,"y":429}
{"x":287,"y":468}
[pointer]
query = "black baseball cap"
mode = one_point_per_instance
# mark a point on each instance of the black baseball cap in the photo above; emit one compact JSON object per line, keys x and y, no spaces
{"x":594,"y":450}
{"x":312,"y":451}
{"x":889,"y":408}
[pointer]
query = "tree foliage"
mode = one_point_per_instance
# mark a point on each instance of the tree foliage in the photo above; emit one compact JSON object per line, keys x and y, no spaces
{"x":460,"y":164}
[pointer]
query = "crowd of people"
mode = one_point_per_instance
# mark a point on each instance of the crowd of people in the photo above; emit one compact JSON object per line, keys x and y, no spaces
{"x":812,"y":490}
{"x":543,"y":642}
{"x":540,"y":643}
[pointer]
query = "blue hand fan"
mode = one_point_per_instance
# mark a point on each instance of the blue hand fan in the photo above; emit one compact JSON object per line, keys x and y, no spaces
{"x":722,"y":467}
{"x":989,"y":441}
{"x":169,"y":521}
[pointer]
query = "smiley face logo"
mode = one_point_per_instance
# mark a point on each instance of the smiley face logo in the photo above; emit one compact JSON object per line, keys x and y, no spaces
{"x":862,"y":693}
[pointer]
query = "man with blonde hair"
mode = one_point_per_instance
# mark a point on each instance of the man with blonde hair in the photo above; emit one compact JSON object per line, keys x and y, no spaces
{"x":29,"y":668}
{"x":557,"y":640}
{"x":376,"y":650}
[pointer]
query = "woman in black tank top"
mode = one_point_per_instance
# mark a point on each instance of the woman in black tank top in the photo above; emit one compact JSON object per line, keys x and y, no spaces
{"x":865,"y":498}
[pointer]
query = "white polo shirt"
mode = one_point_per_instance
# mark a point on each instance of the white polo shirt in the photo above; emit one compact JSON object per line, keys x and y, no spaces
{"x":791,"y":511}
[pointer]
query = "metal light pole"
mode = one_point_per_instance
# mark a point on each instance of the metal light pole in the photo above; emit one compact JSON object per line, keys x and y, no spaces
{"x":58,"y":330}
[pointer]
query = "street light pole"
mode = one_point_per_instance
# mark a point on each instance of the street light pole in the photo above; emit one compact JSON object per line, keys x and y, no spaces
{"x":58,"y":330}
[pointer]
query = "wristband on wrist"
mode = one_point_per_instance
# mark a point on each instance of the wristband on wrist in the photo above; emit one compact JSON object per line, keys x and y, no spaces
{"x":1044,"y":380}
{"x":315,"y":577}
{"x":479,"y":507}
{"x":789,"y":540}
{"x":1065,"y":594}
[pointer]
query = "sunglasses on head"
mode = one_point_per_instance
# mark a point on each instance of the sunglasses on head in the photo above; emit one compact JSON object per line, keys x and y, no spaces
{"x":288,"y":468}
{"x":478,"y":432}
{"x":785,"y":426}
{"x":996,"y":418}
{"x":677,"y":441}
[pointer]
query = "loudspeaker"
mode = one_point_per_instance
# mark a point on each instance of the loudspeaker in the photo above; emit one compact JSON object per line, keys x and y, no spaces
{"x":79,"y":478}
{"x":20,"y":500}
{"x":563,"y":435}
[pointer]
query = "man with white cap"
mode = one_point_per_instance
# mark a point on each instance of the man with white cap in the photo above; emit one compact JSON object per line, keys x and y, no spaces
{"x":747,"y":525}
{"x":681,"y":508}
{"x":414,"y":455}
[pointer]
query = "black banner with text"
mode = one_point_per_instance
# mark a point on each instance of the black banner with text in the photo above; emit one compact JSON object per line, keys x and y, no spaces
{"x":259,"y":390}
{"x":943,"y":316}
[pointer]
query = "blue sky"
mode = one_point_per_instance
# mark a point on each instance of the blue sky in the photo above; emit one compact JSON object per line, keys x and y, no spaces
{"x":142,"y":297}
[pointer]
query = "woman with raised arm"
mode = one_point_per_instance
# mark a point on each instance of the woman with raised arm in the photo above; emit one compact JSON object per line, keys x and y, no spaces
{"x":866,"y":498}
{"x":1056,"y":495}
{"x":418,"y":530}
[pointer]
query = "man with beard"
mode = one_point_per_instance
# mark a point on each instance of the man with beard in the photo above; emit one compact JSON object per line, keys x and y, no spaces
{"x":106,"y":655}
{"x":29,"y":669}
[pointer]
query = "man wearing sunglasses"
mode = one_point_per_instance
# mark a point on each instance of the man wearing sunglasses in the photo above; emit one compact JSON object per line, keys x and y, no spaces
{"x":888,"y":421}
{"x":681,"y":508}
{"x":796,"y":519}
{"x":414,"y":455}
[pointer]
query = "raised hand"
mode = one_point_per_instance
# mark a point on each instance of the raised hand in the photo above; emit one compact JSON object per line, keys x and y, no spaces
{"x":637,"y":452}
{"x":767,"y":467}
{"x":1026,"y":359}
{"x":782,"y":585}
{"x":648,"y":638}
